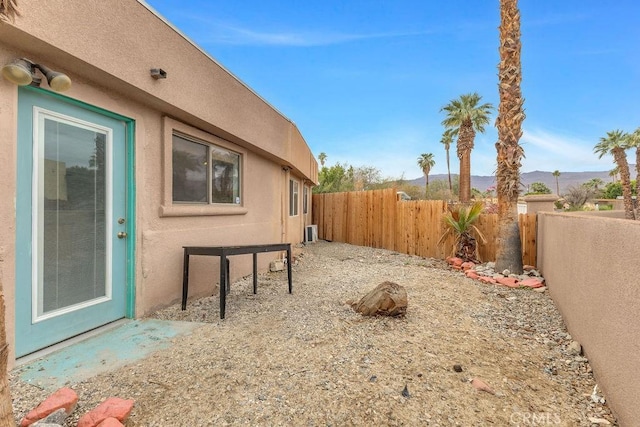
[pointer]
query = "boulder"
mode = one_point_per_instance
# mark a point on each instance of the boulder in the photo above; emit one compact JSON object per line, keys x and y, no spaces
{"x":65,"y":398}
{"x":113,"y":407}
{"x":386,"y":299}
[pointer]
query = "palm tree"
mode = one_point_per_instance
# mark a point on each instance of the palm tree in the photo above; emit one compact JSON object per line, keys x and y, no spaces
{"x":510,"y":152}
{"x":615,"y":143}
{"x":426,"y":162}
{"x":594,"y":183}
{"x":465,"y":117}
{"x":613,"y":173}
{"x":8,"y":12}
{"x":322,"y":157}
{"x":447,"y":140}
{"x":634,"y":141}
{"x":556,"y":174}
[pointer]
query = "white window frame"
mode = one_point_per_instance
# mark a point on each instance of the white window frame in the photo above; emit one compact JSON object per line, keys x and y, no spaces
{"x":210,"y":149}
{"x":37,"y":268}
{"x":305,"y":199}
{"x":171,"y":208}
{"x":294,"y":195}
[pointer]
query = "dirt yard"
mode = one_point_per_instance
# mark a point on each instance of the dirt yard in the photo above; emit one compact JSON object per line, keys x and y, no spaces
{"x":308,"y":359}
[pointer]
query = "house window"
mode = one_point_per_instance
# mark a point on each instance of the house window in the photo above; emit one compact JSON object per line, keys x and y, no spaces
{"x":204,"y":173}
{"x":293,"y":197}
{"x":305,"y":200}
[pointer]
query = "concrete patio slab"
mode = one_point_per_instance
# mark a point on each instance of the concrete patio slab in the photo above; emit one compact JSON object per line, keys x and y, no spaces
{"x":107,"y":350}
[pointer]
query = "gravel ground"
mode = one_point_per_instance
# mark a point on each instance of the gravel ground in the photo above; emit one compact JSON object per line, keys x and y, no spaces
{"x":308,"y":359}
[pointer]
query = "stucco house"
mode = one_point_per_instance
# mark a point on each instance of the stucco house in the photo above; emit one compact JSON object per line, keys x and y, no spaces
{"x":153,"y":146}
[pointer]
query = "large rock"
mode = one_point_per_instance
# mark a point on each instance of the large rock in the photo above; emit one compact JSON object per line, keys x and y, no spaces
{"x":386,"y":299}
{"x":113,"y":407}
{"x":65,"y":398}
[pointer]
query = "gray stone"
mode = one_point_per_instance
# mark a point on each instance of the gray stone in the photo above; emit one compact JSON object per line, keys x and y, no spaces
{"x":55,"y":418}
{"x":574,"y":348}
{"x":277,"y":265}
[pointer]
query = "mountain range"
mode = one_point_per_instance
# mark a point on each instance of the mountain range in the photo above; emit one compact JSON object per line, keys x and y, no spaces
{"x":565,"y":180}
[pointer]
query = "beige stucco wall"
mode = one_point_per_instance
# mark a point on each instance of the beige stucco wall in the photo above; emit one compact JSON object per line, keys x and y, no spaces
{"x":540,"y":202}
{"x":588,"y":261}
{"x":108,"y":51}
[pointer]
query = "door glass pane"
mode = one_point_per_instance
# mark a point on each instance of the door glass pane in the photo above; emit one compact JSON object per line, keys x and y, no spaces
{"x":72,"y":225}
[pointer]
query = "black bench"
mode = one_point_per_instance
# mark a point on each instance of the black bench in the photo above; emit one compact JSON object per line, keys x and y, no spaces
{"x":223,"y":252}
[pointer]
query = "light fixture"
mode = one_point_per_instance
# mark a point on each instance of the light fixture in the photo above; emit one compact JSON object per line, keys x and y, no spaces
{"x":57,"y":81}
{"x":18,"y":72}
{"x":158,"y":73}
{"x":22,"y":72}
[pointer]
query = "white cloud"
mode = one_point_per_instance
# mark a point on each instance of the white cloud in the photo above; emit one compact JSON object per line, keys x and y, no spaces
{"x":393,"y":151}
{"x":216,"y":32}
{"x":548,"y":151}
{"x":242,"y":36}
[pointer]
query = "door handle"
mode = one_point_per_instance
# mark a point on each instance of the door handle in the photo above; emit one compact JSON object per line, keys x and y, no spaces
{"x":122,"y":234}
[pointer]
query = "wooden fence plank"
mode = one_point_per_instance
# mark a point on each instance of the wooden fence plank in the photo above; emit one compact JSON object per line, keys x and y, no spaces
{"x":377,"y":219}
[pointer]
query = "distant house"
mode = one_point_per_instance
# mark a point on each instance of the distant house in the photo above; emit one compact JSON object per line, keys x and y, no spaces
{"x":154,"y":146}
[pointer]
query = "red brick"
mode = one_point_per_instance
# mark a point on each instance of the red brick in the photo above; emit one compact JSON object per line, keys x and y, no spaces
{"x":113,"y":407}
{"x":472,"y":274}
{"x":64,"y":398}
{"x":487,"y":279}
{"x":467,"y":265}
{"x":532,"y":282}
{"x":454,"y":261}
{"x":111,"y":422}
{"x":511,"y":282}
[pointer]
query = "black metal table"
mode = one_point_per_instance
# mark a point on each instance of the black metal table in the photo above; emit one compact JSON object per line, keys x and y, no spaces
{"x":223,"y":252}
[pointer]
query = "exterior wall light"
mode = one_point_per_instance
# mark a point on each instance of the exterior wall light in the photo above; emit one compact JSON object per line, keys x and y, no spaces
{"x":158,"y":73}
{"x":22,"y":72}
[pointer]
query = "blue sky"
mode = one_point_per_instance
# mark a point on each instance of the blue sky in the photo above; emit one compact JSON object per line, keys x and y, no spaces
{"x":364,"y":80}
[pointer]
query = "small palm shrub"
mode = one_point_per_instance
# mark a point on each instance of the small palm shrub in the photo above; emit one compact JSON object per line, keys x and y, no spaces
{"x":459,"y":224}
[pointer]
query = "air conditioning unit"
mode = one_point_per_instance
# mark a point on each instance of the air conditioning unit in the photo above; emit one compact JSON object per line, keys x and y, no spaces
{"x":311,"y":233}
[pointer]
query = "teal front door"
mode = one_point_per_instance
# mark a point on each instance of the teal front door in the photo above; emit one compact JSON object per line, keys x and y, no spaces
{"x":71,"y":221}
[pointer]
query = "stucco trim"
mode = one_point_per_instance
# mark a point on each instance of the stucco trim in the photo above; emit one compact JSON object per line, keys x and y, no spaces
{"x":205,"y":210}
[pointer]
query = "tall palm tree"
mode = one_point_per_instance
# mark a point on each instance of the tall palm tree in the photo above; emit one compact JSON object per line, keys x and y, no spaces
{"x":8,"y":12}
{"x":466,"y":117}
{"x":556,"y":174}
{"x":322,"y":157}
{"x":594,"y":183}
{"x":615,"y":143}
{"x":634,"y":141}
{"x":447,"y":140}
{"x":426,"y":162}
{"x":510,"y":152}
{"x":613,"y":173}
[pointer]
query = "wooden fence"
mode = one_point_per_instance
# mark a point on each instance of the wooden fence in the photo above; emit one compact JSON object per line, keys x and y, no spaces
{"x":377,"y":219}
